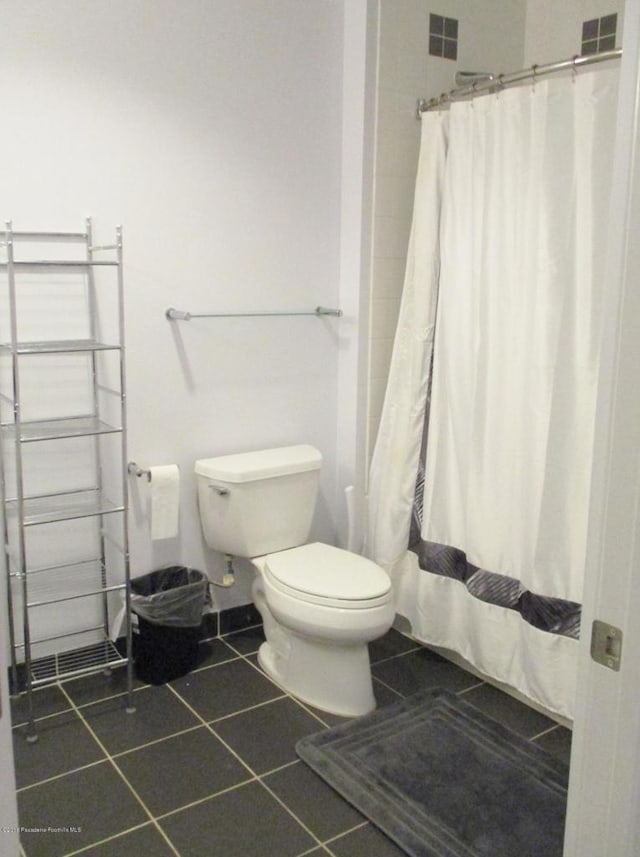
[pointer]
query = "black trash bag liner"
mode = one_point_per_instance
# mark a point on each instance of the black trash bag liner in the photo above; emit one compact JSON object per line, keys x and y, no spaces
{"x":166,"y":632}
{"x":172,"y":597}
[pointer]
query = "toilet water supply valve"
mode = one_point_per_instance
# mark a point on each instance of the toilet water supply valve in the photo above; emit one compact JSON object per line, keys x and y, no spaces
{"x":229,"y":577}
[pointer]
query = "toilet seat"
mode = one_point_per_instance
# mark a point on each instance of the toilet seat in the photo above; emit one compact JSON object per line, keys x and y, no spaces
{"x":321,"y":574}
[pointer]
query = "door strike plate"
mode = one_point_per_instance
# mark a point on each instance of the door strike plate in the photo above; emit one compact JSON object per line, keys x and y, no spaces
{"x":606,"y":644}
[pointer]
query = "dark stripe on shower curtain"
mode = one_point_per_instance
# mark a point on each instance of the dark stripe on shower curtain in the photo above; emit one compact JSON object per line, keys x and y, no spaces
{"x":555,"y":615}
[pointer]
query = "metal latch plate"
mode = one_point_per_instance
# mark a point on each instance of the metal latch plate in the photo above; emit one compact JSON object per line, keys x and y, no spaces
{"x":606,"y":644}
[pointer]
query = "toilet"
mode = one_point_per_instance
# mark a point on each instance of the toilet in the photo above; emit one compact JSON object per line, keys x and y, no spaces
{"x":320,"y":605}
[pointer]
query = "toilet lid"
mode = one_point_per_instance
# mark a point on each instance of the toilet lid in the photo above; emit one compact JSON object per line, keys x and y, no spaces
{"x":319,"y":572}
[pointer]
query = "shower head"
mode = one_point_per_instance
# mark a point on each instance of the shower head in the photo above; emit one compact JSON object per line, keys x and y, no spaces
{"x":468,"y":78}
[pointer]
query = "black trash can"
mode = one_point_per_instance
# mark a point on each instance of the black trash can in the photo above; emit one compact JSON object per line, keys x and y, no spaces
{"x":168,"y":604}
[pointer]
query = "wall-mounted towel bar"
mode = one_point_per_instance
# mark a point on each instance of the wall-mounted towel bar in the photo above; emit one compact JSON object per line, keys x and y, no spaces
{"x":180,"y":315}
{"x":136,"y":470}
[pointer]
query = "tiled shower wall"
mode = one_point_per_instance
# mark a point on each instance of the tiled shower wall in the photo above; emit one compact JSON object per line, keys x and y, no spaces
{"x":493,"y":35}
{"x":554,"y":30}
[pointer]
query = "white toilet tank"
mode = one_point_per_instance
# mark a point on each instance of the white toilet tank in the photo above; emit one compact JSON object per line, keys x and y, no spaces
{"x":260,"y":502}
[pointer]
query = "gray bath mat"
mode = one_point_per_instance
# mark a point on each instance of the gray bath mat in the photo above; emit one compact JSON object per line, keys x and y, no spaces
{"x":443,"y":780}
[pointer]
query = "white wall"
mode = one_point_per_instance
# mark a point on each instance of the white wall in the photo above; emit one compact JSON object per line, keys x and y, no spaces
{"x":212,"y":132}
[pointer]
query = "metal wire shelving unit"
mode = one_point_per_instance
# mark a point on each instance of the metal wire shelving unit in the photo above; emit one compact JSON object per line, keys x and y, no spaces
{"x":63,"y":462}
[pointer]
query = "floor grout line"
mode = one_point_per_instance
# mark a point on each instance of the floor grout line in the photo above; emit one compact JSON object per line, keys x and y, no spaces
{"x":122,"y":775}
{"x":207,"y":725}
{"x":545,"y":732}
{"x":117,"y":755}
{"x":388,"y":687}
{"x":86,"y":848}
{"x":161,"y":816}
{"x":246,"y":657}
{"x":177,"y":734}
{"x":204,"y":667}
{"x":344,"y":833}
{"x":309,"y":709}
{"x":256,"y":777}
{"x":396,"y":655}
{"x":59,"y":776}
{"x":23,"y":723}
{"x":288,"y":809}
{"x":75,"y":705}
{"x":477,"y":684}
{"x":241,"y":710}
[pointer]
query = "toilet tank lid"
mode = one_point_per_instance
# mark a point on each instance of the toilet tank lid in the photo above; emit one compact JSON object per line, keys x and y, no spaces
{"x":260,"y":464}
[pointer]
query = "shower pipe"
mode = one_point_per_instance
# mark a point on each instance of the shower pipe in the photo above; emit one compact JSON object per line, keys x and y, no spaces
{"x":500,"y":81}
{"x":180,"y":315}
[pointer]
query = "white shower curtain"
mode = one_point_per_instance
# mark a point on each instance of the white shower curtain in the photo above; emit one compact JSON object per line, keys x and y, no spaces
{"x":516,"y":190}
{"x":395,"y":457}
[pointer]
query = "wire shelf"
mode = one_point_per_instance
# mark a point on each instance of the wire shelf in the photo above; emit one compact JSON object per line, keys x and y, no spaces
{"x":21,"y":235}
{"x":52,"y":264}
{"x":62,"y":428}
{"x":67,"y":665}
{"x":63,"y":507}
{"x":63,"y":346}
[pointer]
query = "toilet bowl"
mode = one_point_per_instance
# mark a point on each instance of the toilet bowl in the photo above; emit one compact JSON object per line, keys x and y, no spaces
{"x":320,"y":605}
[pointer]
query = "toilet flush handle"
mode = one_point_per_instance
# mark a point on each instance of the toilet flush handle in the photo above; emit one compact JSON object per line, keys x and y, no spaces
{"x":219,"y":489}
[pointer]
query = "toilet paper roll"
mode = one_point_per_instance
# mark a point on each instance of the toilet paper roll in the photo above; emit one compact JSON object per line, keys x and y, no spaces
{"x":165,"y":501}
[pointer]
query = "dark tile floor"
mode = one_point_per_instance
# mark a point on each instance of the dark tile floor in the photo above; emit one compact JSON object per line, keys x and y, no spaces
{"x":207,"y":766}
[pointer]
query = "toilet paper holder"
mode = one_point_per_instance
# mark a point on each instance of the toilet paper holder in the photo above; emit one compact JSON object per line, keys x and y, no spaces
{"x":136,"y":470}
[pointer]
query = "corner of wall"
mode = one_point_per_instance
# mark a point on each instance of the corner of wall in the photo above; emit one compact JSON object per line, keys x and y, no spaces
{"x":358,"y":139}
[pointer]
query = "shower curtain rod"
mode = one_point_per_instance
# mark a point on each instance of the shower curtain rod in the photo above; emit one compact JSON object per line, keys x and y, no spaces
{"x":501,"y":81}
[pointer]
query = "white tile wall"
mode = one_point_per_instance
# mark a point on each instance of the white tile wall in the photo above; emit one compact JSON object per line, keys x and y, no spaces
{"x":402,"y":64}
{"x":554,"y":30}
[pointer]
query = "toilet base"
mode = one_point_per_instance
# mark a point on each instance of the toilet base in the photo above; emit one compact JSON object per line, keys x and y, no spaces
{"x":335,"y":679}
